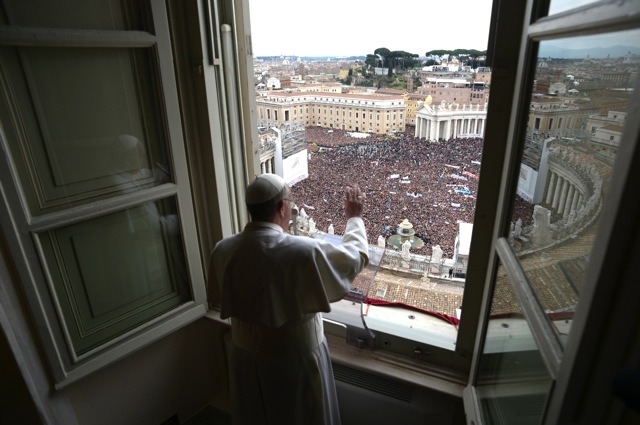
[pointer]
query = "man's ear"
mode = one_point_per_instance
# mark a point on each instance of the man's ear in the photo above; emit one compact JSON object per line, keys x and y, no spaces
{"x":281,"y":208}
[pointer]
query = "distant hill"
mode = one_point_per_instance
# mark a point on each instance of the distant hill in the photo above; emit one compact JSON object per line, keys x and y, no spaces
{"x":549,"y":50}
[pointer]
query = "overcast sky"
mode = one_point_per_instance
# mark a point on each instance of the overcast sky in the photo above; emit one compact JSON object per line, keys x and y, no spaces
{"x":358,"y":27}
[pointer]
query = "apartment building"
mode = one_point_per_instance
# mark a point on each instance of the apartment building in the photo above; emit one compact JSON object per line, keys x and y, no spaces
{"x":606,"y":131}
{"x":455,"y":90}
{"x":367,"y":113}
{"x":483,"y":74}
{"x":559,"y":116}
{"x":414,"y":102}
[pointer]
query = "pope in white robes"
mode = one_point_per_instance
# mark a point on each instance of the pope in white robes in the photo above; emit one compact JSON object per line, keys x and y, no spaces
{"x":274,"y":286}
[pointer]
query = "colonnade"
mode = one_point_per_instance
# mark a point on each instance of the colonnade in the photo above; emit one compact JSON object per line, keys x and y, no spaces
{"x":268,"y":165}
{"x":562,"y":194}
{"x":443,"y":123}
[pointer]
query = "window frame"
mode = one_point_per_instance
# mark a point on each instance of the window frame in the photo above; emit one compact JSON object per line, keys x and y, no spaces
{"x":599,"y":298}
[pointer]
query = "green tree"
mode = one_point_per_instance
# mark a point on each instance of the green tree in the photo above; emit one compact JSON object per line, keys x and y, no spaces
{"x":383,"y":52}
{"x":437,"y":52}
{"x":371,"y":60}
{"x":403,"y":60}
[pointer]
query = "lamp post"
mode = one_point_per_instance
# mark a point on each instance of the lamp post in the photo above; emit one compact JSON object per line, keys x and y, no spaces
{"x":382,"y":63}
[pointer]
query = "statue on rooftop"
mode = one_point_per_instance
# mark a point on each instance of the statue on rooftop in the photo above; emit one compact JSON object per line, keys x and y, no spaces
{"x":406,"y":246}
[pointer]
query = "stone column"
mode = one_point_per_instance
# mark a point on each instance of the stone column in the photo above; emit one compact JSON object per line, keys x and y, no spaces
{"x":447,"y":134}
{"x":567,"y":205}
{"x":557,"y":191}
{"x":551,"y":187}
{"x":563,"y":196}
{"x":268,"y":166}
{"x":574,"y":201}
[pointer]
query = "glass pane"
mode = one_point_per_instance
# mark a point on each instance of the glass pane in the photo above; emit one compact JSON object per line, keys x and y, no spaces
{"x":557,"y":6}
{"x":512,"y":382}
{"x":576,"y":120}
{"x":113,"y":273}
{"x":72,"y":14}
{"x":84,"y":124}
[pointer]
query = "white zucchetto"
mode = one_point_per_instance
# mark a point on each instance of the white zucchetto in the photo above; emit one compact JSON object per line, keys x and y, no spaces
{"x":263,"y":188}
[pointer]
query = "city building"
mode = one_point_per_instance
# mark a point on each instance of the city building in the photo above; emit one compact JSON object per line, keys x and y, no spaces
{"x":414,"y":103}
{"x":445,"y":121}
{"x":380,"y":114}
{"x":273,"y":83}
{"x":327,"y":87}
{"x":455,"y":90}
{"x":606,"y":131}
{"x":483,"y":74}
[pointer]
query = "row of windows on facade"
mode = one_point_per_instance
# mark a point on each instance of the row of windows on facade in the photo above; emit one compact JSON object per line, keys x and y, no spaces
{"x":325,"y":113}
{"x":304,"y":99}
{"x":473,"y":95}
{"x":550,"y":126}
{"x":331,"y":125}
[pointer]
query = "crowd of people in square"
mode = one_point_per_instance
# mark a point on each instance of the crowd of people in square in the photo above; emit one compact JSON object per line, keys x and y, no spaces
{"x":433,"y":184}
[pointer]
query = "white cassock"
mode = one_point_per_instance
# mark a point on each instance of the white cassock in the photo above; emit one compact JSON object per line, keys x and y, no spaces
{"x":273,"y":286}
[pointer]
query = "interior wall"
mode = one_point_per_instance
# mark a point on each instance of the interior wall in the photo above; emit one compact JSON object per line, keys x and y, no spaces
{"x":363,"y":406}
{"x":177,"y":375}
{"x":16,"y":404}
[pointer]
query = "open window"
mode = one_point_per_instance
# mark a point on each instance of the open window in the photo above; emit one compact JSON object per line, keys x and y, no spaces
{"x":404,"y":310}
{"x":552,"y":281}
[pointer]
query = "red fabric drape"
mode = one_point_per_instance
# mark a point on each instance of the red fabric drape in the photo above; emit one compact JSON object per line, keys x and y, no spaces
{"x":453,"y":320}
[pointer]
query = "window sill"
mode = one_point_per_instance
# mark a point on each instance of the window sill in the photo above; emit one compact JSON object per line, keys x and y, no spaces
{"x":387,"y":364}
